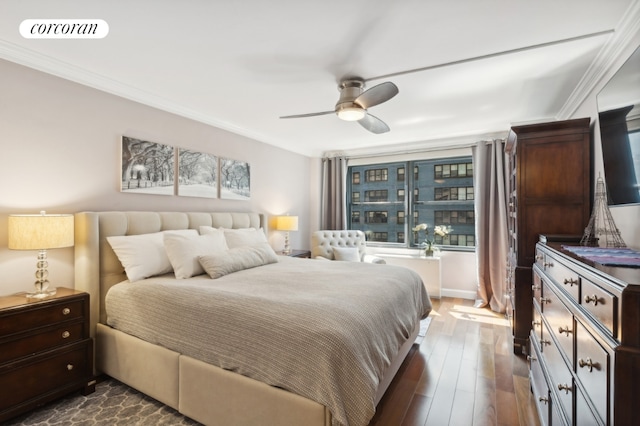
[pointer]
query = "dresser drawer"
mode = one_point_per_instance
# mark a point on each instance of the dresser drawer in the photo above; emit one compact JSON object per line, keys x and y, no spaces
{"x":584,"y":415}
{"x":593,"y":369}
{"x":566,"y":278}
{"x":29,"y":317}
{"x":560,"y":321}
{"x":559,"y":375}
{"x":47,"y":372}
{"x":601,"y":304}
{"x":539,"y":386}
{"x":28,"y":343}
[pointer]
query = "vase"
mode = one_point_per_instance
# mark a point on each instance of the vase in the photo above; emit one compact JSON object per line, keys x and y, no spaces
{"x":428,"y":252}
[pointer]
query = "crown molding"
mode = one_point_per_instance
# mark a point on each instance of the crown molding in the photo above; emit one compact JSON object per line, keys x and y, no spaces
{"x":626,"y":33}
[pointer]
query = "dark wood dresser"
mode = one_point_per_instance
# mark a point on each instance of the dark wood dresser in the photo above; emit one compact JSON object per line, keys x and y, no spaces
{"x":549,"y":187}
{"x":585,"y":340}
{"x":45,"y":350}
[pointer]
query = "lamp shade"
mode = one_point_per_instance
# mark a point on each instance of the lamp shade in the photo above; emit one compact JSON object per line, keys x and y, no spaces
{"x":40,"y":231}
{"x":287,"y":223}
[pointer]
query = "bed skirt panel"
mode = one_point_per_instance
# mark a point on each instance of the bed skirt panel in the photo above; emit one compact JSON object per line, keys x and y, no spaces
{"x":151,"y":369}
{"x":240,"y":400}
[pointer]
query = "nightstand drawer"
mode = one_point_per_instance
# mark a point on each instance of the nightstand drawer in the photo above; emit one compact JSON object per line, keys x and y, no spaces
{"x":28,"y":343}
{"x":29,"y":316}
{"x":52,"y":371}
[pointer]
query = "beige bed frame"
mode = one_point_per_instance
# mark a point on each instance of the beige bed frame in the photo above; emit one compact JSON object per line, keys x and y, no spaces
{"x":203,"y":392}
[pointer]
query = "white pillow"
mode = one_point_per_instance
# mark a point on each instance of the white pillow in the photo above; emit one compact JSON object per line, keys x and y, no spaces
{"x":238,"y":259}
{"x":348,"y":254}
{"x":143,"y":255}
{"x":244,"y":237}
{"x":183,"y":251}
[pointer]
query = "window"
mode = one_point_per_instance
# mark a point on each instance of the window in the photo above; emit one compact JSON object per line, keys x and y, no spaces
{"x":438,"y":192}
{"x":376,"y":195}
{"x":376,"y":217}
{"x":376,"y":175}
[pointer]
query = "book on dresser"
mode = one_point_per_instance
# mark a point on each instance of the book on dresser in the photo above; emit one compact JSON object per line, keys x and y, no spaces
{"x":45,"y":350}
{"x":585,"y":335}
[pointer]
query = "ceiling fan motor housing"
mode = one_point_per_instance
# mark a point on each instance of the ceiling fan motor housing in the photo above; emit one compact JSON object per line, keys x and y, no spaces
{"x":346,"y":108}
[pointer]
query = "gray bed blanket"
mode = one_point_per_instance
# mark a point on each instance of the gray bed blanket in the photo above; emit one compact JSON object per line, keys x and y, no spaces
{"x":323,"y":330}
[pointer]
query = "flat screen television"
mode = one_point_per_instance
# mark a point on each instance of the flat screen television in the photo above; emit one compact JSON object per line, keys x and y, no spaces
{"x":619,"y":120}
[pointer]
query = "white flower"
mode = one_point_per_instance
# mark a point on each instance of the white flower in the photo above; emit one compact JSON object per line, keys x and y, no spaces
{"x":421,"y":227}
{"x":441,"y":230}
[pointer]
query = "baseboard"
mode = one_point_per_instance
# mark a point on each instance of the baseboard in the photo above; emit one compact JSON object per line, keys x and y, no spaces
{"x":460,"y":294}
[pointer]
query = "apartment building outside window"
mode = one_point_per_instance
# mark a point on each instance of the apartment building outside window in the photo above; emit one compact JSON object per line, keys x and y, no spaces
{"x":438,"y":192}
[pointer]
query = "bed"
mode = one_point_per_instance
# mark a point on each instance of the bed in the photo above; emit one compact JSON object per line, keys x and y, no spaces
{"x":199,"y":379}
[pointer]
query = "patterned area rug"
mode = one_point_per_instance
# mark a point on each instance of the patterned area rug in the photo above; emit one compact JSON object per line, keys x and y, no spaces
{"x":114,"y":403}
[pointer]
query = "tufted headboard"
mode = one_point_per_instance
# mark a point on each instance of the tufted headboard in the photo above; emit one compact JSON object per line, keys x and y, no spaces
{"x":97,"y":268}
{"x":322,"y":242}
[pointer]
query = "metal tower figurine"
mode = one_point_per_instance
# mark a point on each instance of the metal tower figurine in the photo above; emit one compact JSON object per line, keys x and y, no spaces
{"x":601,"y":226}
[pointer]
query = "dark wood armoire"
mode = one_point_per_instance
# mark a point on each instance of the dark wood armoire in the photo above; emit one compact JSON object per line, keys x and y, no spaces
{"x":549,"y":190}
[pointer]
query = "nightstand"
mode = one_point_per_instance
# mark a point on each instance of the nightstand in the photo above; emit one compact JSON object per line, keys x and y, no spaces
{"x":297,"y":253}
{"x":45,"y":350}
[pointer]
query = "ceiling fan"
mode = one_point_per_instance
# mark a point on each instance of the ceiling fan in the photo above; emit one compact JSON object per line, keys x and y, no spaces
{"x":354,"y":102}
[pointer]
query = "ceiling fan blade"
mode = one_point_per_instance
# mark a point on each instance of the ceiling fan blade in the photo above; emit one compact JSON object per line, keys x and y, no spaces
{"x":377,"y":95}
{"x":311,"y":114}
{"x":374,"y":124}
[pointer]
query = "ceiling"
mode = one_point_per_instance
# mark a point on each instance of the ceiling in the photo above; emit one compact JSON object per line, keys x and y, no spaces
{"x":476,"y":67}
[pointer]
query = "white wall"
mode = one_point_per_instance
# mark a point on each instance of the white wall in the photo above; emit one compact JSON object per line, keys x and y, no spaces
{"x":61,"y":153}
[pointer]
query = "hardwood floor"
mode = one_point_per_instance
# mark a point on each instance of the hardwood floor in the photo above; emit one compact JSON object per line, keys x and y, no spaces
{"x":464,"y":373}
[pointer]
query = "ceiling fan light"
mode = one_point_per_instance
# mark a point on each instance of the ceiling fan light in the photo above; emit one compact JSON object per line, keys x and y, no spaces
{"x":351,"y":113}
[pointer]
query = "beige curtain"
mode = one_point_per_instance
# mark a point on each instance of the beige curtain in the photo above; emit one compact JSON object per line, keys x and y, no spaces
{"x":333,"y":214}
{"x":491,"y":223}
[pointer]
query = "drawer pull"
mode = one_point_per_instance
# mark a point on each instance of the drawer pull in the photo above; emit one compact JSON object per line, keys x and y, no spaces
{"x":69,"y":367}
{"x":535,"y":287}
{"x":65,"y":334}
{"x":595,"y":299}
{"x":539,"y":257}
{"x":548,"y":264}
{"x":543,"y":399}
{"x":564,"y":387}
{"x":570,"y":281}
{"x":531,"y":358}
{"x":66,"y":311}
{"x":544,"y":300}
{"x":544,"y":342}
{"x":589,"y":364}
{"x":565,"y":330}
{"x":535,"y":324}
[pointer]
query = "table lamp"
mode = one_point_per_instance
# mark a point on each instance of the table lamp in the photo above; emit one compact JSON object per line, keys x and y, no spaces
{"x":287,"y":223}
{"x":40,"y":232}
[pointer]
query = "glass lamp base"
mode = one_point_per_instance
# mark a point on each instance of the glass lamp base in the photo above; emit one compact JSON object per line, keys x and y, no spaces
{"x":42,"y":294}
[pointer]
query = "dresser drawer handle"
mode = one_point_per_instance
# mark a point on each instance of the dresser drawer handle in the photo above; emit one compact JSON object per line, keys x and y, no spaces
{"x":570,"y":281}
{"x":539,"y":257}
{"x":66,"y":311}
{"x":544,"y":300}
{"x":69,"y":367}
{"x":595,"y":299}
{"x":565,"y":330}
{"x":65,"y":334}
{"x":564,"y":387}
{"x":548,"y":264}
{"x":543,"y":399}
{"x":535,"y":324}
{"x":589,"y":364}
{"x":544,"y":342}
{"x":535,"y":287}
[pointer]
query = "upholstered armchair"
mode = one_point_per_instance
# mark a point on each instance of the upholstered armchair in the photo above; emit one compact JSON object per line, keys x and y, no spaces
{"x":347,"y":245}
